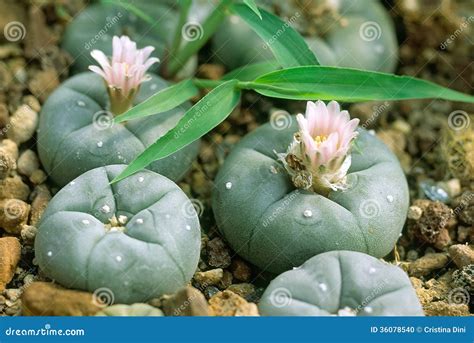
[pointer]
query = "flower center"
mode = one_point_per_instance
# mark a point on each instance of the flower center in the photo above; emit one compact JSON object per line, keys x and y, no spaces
{"x":319,"y":139}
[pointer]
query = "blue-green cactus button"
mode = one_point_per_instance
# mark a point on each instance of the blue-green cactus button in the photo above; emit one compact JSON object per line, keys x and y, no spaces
{"x":136,"y":238}
{"x":343,"y":283}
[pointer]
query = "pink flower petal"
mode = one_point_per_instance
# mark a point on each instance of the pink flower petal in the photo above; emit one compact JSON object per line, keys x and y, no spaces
{"x":100,"y":57}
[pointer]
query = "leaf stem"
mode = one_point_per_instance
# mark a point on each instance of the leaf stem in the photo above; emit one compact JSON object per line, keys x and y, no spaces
{"x":184,"y":6}
{"x":190,"y":48}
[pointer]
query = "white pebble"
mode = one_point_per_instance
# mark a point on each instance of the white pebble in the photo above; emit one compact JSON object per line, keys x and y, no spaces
{"x":323,"y":287}
{"x":307,"y":213}
{"x":81,"y":103}
{"x":372,"y":270}
{"x":50,"y":253}
{"x":141,"y":179}
{"x":390,"y":198}
{"x":85,"y":222}
{"x":100,"y":144}
{"x":188,"y":227}
{"x":368,"y":309}
{"x":105,"y":209}
{"x":118,"y":258}
{"x":139,"y":221}
{"x":228,"y":185}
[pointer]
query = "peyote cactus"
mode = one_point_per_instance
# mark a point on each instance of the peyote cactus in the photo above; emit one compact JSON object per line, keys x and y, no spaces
{"x":358,"y":34}
{"x":341,"y":283}
{"x":138,"y":238}
{"x":94,"y":27}
{"x":77,"y":130}
{"x":277,"y":210}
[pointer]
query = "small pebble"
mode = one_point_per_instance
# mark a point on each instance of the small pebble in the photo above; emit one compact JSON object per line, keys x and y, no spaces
{"x":210,"y":291}
{"x":414,"y":212}
{"x":462,"y":254}
{"x":38,"y":177}
{"x":218,"y":254}
{"x":27,"y":163}
{"x":428,"y":264}
{"x":209,"y":278}
{"x":10,"y":252}
{"x":23,"y":124}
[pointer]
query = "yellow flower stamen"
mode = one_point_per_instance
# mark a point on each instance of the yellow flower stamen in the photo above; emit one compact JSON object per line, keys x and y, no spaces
{"x":319,"y":139}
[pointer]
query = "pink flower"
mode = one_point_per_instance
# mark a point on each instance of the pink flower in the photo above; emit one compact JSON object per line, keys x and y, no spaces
{"x":125,"y":72}
{"x":319,"y":155}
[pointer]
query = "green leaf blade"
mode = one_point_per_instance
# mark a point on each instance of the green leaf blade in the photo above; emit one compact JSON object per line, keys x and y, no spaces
{"x":346,"y":84}
{"x":206,"y":114}
{"x":287,"y":45}
{"x":253,"y":6}
{"x":252,"y":71}
{"x":163,"y":101}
